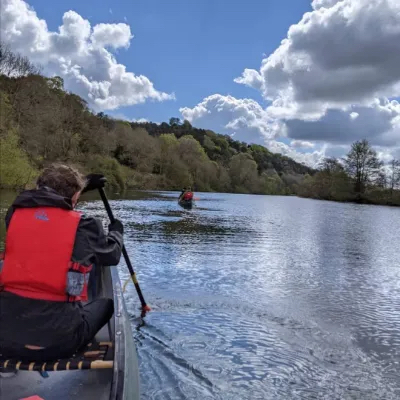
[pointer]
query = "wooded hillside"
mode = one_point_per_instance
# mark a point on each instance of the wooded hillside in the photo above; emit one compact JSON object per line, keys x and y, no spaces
{"x":42,"y":123}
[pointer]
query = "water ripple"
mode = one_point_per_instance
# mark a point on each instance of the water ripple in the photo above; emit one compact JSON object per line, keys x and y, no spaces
{"x":258,"y":297}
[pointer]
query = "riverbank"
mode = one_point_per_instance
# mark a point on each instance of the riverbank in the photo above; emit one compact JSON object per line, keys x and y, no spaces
{"x":381,"y":200}
{"x":337,"y":185}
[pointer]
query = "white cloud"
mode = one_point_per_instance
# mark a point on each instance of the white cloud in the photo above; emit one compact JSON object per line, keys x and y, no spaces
{"x":79,"y":54}
{"x":317,"y":4}
{"x":243,"y":117}
{"x":312,"y":159}
{"x":344,"y":54}
{"x":328,"y":84}
{"x":379,"y":122}
{"x":354,"y":115}
{"x":301,"y":144}
{"x":113,"y":35}
{"x":246,"y":120}
{"x":122,"y":117}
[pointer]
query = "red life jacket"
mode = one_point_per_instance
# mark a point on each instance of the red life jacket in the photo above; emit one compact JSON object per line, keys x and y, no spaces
{"x":37,"y":259}
{"x":188,"y":196}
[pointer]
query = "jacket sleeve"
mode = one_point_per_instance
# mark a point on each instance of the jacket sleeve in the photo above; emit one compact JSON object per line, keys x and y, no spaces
{"x":8,"y":216}
{"x":92,"y":244}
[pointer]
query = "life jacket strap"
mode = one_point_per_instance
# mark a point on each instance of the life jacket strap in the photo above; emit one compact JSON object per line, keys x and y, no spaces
{"x":77,"y":281}
{"x":83,"y":269}
{"x":1,"y":267}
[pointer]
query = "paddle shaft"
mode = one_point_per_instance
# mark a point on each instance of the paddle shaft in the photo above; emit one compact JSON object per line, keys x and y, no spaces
{"x":124,"y":252}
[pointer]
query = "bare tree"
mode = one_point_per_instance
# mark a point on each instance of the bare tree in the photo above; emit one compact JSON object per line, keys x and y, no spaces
{"x":381,"y":180}
{"x":362,"y":165}
{"x":14,"y":64}
{"x":394,"y":177}
{"x":331,"y":165}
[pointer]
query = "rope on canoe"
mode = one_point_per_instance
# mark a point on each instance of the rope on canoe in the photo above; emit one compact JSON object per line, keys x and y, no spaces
{"x":94,"y":356}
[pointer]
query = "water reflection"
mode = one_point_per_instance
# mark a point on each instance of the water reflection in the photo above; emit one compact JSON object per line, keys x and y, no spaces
{"x":274,"y":297}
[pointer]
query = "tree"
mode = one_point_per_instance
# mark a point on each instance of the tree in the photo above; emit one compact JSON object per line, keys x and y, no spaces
{"x":168,"y":145}
{"x":14,"y":64}
{"x":394,"y":177}
{"x":187,"y":125}
{"x":135,"y":147}
{"x":56,"y":83}
{"x":262,"y":157}
{"x":174,"y":121}
{"x":381,"y":180}
{"x":243,"y":173}
{"x":192,"y":154}
{"x":208,"y":144}
{"x":15,"y":168}
{"x":362,"y":165}
{"x":331,"y":165}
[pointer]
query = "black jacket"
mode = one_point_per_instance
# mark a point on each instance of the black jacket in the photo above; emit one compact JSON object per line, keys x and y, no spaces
{"x":46,"y":323}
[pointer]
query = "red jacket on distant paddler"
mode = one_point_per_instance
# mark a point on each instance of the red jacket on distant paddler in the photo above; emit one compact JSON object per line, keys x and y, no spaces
{"x":187,"y":196}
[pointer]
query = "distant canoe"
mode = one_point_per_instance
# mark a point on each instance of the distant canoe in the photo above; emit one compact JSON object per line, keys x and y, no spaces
{"x":186,"y":204}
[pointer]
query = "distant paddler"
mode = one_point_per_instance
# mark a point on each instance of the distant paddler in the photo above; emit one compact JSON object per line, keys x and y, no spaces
{"x":186,"y":194}
{"x":186,"y":198}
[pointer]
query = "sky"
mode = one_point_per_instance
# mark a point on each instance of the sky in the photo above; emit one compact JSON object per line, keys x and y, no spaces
{"x":305,"y":78}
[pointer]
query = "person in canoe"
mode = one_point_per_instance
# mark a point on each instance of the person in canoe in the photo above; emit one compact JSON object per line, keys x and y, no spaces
{"x":186,"y":198}
{"x":50,"y":250}
{"x":186,"y":194}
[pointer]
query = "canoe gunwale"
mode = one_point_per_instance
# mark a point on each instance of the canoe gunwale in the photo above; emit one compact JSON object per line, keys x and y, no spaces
{"x":117,"y":385}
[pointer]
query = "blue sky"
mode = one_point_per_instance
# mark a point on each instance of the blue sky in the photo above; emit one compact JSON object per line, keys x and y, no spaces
{"x":305,"y":78}
{"x":191,"y":48}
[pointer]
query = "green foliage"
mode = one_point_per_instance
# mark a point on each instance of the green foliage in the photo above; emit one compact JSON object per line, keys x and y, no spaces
{"x":354,"y":181}
{"x":382,"y":197}
{"x":15,"y":168}
{"x":174,"y":121}
{"x":272,"y":184}
{"x":6,"y":115}
{"x":327,"y":185}
{"x":243,"y":173}
{"x":208,"y":144}
{"x":108,"y":166}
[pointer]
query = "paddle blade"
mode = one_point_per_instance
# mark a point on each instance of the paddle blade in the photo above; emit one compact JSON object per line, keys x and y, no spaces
{"x":145,"y":310}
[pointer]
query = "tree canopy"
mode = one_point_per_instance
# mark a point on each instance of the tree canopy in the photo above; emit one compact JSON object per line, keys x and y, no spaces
{"x":43,"y":123}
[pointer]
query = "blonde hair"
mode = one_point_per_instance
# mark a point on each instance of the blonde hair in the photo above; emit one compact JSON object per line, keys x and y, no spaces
{"x":64,"y":179}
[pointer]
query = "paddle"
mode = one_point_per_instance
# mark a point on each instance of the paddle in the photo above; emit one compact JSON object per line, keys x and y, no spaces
{"x":145,"y":307}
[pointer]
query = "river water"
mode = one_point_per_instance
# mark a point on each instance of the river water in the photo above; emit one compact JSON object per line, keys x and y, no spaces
{"x":263,"y":297}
